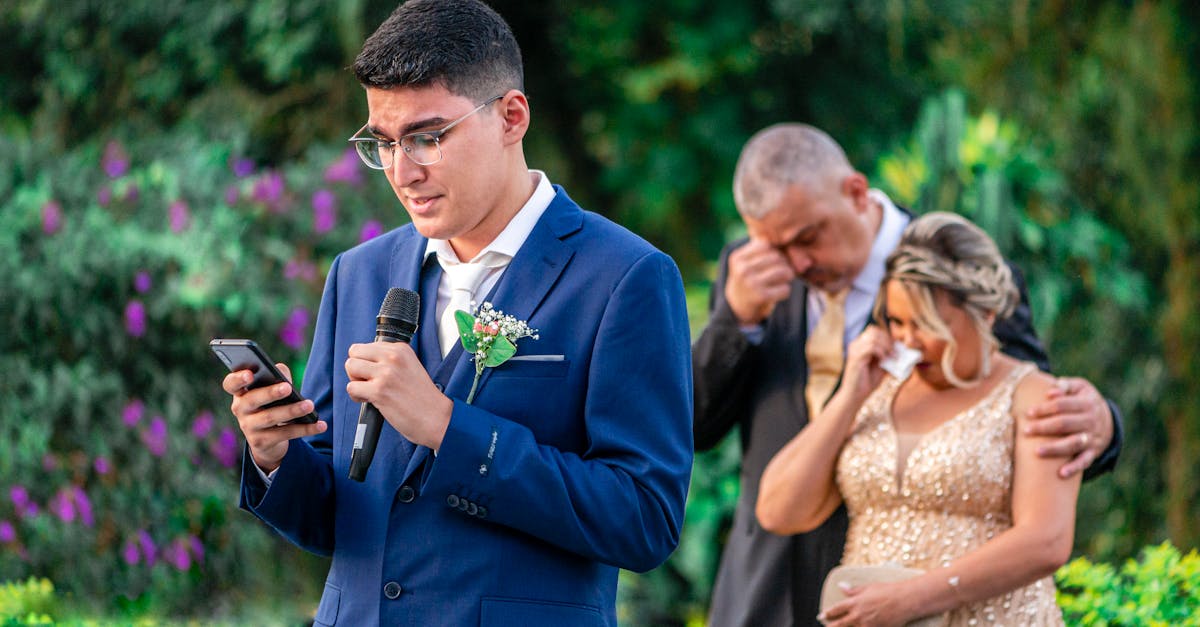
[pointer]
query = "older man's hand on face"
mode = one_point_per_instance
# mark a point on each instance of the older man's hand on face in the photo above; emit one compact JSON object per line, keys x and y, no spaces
{"x":1078,"y":417}
{"x":759,"y":277}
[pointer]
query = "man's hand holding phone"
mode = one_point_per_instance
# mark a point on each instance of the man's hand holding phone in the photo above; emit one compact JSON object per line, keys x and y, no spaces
{"x":268,"y":429}
{"x":268,"y":409}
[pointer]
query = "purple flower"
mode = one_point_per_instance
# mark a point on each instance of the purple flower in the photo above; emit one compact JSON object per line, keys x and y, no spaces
{"x":115,"y":162}
{"x":155,"y":437}
{"x":52,"y":217}
{"x":177,"y":555}
{"x":268,"y":189}
{"x":142,"y":282}
{"x":146,"y":544}
{"x":232,"y":195}
{"x":49,"y":462}
{"x":19,"y":496}
{"x":179,"y":216}
{"x":197,"y":548}
{"x":225,"y":449}
{"x":135,"y":318}
{"x":129,"y":552}
{"x":324,"y":205}
{"x":7,"y":532}
{"x":132,"y":412}
{"x":346,"y":169}
{"x":131,"y":193}
{"x":370,"y":229}
{"x":104,"y":196}
{"x":292,"y":332}
{"x":83,"y":505}
{"x":63,"y":506}
{"x":242,"y":167}
{"x":300,"y":269}
{"x":202,"y":424}
{"x":101,"y":466}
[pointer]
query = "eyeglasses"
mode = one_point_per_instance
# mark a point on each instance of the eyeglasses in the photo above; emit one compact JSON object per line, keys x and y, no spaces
{"x":423,"y":148}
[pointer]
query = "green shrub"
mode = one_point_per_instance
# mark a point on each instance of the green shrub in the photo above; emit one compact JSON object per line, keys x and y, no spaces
{"x":27,"y":603}
{"x":120,"y":262}
{"x":1160,"y":589}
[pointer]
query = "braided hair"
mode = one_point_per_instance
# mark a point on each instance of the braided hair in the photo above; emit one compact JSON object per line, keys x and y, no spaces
{"x":945,"y":252}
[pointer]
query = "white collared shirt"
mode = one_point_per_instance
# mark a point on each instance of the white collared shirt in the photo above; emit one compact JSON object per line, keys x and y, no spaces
{"x":506,"y":244}
{"x":866,"y":285}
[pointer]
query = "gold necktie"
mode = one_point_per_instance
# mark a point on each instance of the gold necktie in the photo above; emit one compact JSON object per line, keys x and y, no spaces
{"x":825,"y":352}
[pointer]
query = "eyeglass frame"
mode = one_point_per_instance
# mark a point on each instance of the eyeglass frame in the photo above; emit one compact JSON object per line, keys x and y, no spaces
{"x":435,"y":135}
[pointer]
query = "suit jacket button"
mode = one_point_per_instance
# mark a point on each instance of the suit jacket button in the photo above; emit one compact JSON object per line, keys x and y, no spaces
{"x":482,"y":512}
{"x":452,"y":500}
{"x":406,"y":494}
{"x":439,"y":387}
{"x":392,"y":590}
{"x":472,"y":509}
{"x":463,"y":504}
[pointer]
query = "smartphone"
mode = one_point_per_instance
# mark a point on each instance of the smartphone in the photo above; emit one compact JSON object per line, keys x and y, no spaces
{"x":246,"y":355}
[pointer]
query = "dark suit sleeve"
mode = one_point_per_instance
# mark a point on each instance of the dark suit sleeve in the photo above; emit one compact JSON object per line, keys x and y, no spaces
{"x":720,"y":365}
{"x":1019,"y":340}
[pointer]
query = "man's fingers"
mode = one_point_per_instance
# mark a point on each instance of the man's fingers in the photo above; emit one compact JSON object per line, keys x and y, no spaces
{"x":1077,"y":465}
{"x":287,"y":372}
{"x":236,"y":382}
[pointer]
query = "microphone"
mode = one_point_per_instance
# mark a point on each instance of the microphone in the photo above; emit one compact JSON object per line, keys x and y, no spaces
{"x":397,"y":321}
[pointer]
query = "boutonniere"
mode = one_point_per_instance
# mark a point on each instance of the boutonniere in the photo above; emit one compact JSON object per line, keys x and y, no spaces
{"x":491,"y":336}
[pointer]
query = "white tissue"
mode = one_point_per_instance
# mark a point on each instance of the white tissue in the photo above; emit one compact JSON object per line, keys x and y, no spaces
{"x":901,"y":363}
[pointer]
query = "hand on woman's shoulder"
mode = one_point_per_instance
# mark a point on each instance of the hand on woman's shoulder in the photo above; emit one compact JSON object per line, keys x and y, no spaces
{"x":1030,"y":391}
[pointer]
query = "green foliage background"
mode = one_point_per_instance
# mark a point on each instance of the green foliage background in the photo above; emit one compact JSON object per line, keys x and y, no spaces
{"x":1068,"y":130}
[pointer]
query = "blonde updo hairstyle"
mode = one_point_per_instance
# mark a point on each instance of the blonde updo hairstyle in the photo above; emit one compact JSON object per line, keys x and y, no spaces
{"x":945,"y":252}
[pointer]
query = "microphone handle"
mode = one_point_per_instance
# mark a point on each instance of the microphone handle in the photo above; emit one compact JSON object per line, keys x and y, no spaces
{"x":366,"y":438}
{"x":370,"y":423}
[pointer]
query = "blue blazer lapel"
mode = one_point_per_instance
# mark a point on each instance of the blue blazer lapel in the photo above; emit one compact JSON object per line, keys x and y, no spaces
{"x":522,"y":288}
{"x":530,"y":275}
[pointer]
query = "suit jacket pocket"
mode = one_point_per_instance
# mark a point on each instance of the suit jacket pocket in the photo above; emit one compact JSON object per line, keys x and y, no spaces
{"x":523,"y":613}
{"x":532,"y":368}
{"x":327,"y":611}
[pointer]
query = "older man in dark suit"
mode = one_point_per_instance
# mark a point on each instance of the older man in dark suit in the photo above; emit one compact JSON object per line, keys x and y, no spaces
{"x":801,"y":284}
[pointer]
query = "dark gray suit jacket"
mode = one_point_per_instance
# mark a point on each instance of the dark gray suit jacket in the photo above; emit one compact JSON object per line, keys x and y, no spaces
{"x":766,"y":580}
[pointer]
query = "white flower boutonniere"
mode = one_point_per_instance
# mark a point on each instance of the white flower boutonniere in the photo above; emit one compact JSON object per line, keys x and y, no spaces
{"x":491,"y":337}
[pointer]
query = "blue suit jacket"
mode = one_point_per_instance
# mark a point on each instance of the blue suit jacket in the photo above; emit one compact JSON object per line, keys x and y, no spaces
{"x":560,"y":472}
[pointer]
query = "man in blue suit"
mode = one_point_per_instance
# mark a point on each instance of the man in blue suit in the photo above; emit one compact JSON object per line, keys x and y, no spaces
{"x":573,"y":458}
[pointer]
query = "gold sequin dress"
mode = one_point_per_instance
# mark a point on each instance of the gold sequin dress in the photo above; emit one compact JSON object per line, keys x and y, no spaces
{"x":954,"y":495}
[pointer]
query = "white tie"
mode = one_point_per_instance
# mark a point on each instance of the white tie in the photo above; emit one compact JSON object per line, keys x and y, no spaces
{"x":463,"y":279}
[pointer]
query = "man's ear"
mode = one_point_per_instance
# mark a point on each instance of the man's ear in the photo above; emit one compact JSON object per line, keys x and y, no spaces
{"x":514,"y":110}
{"x":855,"y":186}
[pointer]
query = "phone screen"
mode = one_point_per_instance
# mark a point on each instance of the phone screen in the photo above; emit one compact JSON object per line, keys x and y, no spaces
{"x":239,"y":354}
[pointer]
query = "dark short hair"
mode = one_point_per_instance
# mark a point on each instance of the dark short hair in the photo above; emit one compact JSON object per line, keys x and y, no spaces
{"x":463,"y":45}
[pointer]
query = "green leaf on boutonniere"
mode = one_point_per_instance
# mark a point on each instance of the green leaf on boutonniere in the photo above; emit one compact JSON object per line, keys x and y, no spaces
{"x":466,"y":326}
{"x":500,"y":351}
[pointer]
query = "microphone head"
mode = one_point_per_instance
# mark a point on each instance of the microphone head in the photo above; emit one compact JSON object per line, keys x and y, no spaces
{"x":398,"y":315}
{"x":401,"y":304}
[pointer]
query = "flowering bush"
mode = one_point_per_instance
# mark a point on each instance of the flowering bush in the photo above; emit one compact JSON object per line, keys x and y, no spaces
{"x":121,"y":261}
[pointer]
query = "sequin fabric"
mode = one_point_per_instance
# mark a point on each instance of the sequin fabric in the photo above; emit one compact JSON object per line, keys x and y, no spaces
{"x":955,"y":495}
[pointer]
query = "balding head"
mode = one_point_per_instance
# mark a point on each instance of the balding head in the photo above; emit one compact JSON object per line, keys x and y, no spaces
{"x":780,"y":156}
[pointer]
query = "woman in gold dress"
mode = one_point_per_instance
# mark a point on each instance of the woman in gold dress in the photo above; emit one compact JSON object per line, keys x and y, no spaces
{"x":936,"y":470}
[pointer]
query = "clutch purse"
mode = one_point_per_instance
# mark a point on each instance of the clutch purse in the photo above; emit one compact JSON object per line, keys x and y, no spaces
{"x":855,"y":576}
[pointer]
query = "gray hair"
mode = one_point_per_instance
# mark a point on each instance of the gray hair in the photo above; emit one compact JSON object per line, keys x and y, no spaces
{"x":779,"y":156}
{"x":946,"y":252}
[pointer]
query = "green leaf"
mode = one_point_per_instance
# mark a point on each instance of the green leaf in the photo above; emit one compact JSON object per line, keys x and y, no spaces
{"x":501,"y":350}
{"x":466,"y":330}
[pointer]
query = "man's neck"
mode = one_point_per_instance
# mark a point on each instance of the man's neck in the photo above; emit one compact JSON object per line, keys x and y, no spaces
{"x":467,"y":246}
